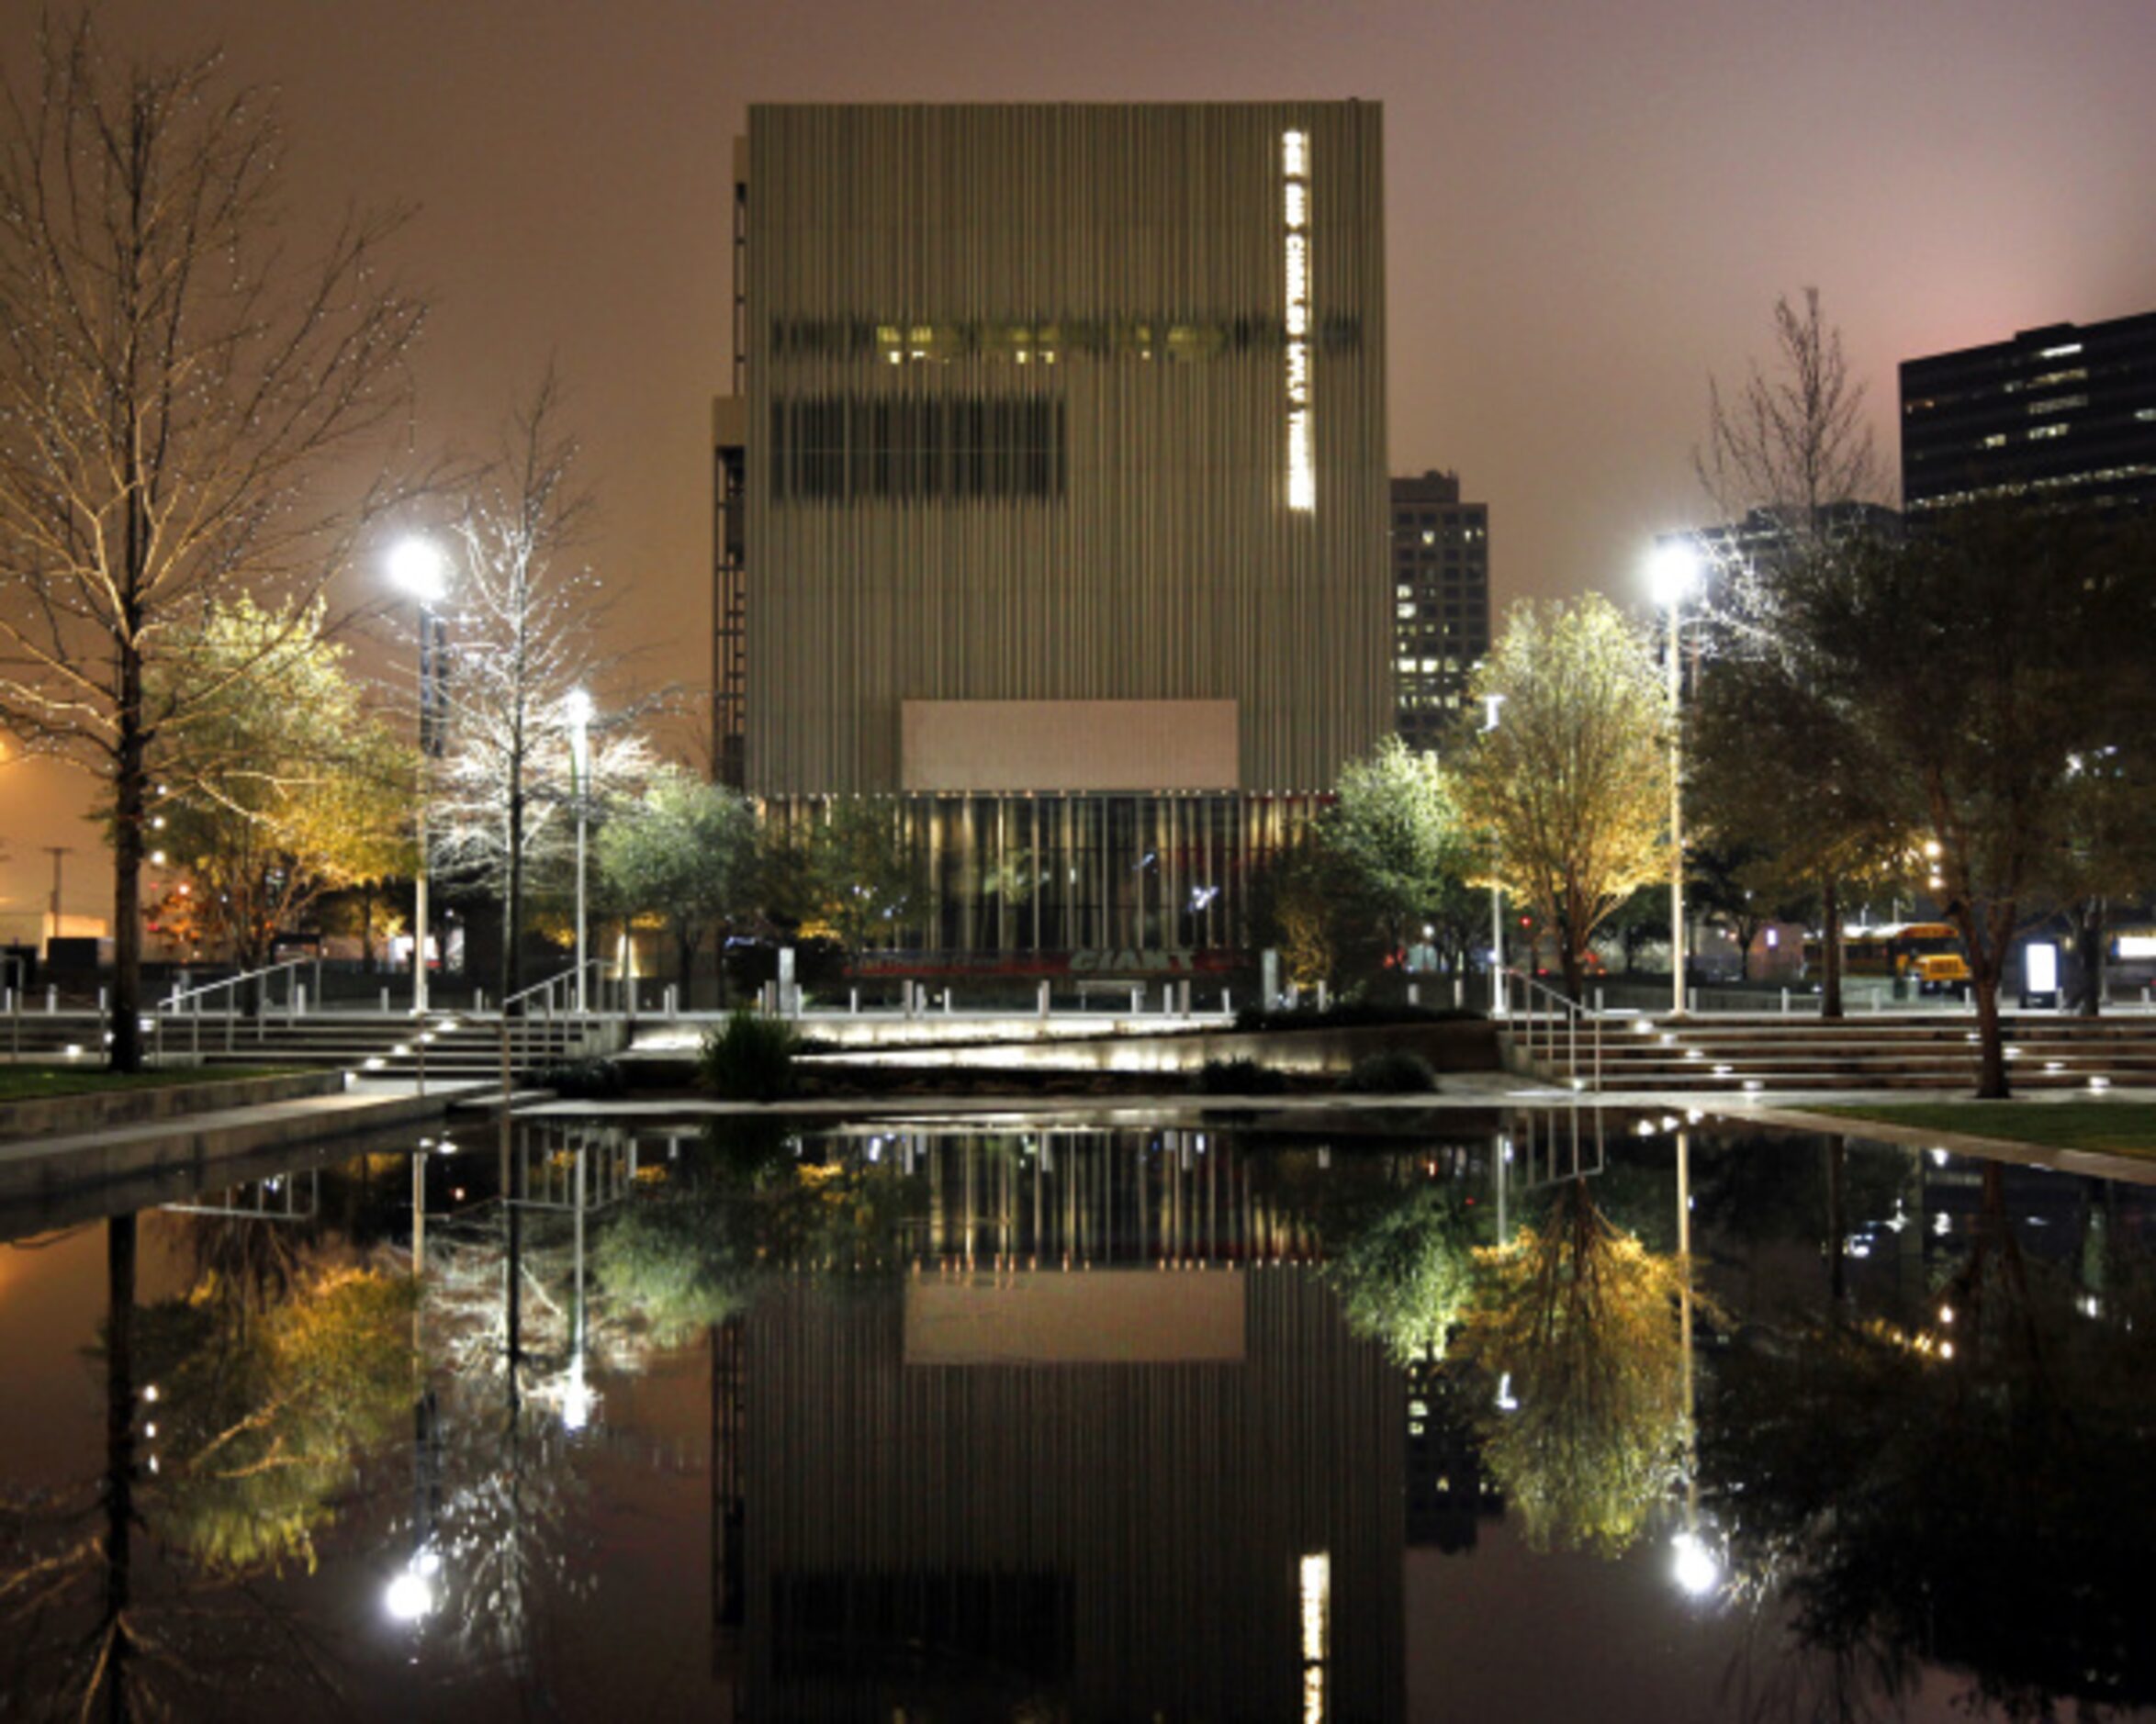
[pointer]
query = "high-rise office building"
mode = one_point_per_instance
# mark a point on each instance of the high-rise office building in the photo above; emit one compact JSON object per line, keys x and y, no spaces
{"x":1441,"y":602}
{"x":2065,"y":413}
{"x":1051,"y":498}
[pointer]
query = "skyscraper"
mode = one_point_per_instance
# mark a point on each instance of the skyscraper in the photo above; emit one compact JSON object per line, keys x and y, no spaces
{"x":1051,"y":498}
{"x":2065,"y":413}
{"x":1441,"y":602}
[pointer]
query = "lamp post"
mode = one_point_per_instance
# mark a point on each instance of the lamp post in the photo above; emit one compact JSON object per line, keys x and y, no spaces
{"x":1672,"y":574}
{"x":578,"y":706}
{"x":1492,"y":706}
{"x":418,"y":568}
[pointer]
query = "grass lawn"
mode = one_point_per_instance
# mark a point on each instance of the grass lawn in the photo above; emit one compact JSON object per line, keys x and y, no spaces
{"x":2110,"y":1127}
{"x":31,"y":1083}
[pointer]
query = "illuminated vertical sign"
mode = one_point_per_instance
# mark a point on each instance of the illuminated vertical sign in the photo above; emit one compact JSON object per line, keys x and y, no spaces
{"x":1302,"y":468}
{"x":1315,"y":1586}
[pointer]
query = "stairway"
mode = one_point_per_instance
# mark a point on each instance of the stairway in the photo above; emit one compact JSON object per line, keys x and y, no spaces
{"x":1765,"y":1055}
{"x":460,"y":1046}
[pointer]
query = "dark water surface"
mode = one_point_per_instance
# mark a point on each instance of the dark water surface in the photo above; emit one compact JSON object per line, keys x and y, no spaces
{"x":923,"y":1423}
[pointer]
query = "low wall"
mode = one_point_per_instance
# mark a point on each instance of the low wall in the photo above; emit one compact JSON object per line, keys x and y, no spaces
{"x":1468,"y":1044}
{"x":107,"y":1110}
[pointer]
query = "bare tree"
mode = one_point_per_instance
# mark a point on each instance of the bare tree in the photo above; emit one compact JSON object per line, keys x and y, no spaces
{"x":1790,"y":454}
{"x":181,"y":405}
{"x":525,"y":634}
{"x":1796,"y":441}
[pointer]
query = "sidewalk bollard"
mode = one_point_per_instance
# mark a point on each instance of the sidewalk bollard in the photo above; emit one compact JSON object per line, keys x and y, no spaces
{"x":1137,"y":1000}
{"x":52,"y":998}
{"x":1044,"y":1002}
{"x":947,"y":1005}
{"x":853,"y":1001}
{"x":479,"y":999}
{"x":1785,"y":1002}
{"x":384,"y":1002}
{"x":1414,"y":993}
{"x":1692,"y":999}
{"x":1321,"y":991}
{"x":300,"y":997}
{"x":1598,"y":1002}
{"x":1459,"y":992}
{"x":1227,"y":1003}
{"x":100,"y":1003}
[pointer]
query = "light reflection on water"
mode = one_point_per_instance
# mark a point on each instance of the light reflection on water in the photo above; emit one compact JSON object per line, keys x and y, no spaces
{"x":1044,"y":1422}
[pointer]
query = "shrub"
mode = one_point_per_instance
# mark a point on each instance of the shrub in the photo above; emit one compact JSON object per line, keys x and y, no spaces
{"x":1240,"y":1077}
{"x":1390,"y":1070}
{"x":589,"y":1080}
{"x":750,"y":1059}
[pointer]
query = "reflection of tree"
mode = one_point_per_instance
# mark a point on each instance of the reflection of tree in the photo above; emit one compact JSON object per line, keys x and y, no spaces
{"x":1584,"y":1321}
{"x":264,"y":1413}
{"x":1401,"y":1263}
{"x":231,"y":1428}
{"x":1972,"y":1495}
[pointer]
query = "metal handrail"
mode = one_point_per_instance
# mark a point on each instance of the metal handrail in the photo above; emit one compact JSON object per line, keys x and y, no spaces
{"x":546,"y":991}
{"x":169,"y":1006}
{"x":1563,"y":1012}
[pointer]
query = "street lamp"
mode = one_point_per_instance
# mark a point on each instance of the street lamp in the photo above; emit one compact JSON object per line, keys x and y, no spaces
{"x":578,"y":706}
{"x":418,"y":568}
{"x":1673,"y":574}
{"x":1492,"y":706}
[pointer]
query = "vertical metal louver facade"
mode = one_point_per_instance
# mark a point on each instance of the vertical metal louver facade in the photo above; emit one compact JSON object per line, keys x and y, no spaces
{"x":1018,"y":385}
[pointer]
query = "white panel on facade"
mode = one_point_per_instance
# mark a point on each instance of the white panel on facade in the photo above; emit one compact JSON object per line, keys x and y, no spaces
{"x":1144,"y":746}
{"x":1103,"y":1317}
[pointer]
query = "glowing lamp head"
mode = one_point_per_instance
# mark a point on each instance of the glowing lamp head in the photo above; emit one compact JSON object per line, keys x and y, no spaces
{"x":1673,"y":572}
{"x":418,"y":568}
{"x":576,"y":704}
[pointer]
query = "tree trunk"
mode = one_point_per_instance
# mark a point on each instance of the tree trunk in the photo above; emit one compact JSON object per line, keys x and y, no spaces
{"x":512,"y":906}
{"x":2088,"y":944}
{"x":1837,"y":1224}
{"x":1991,"y":1079}
{"x":119,"y":1455}
{"x":686,"y":965}
{"x":1830,"y":948}
{"x":131,"y":786}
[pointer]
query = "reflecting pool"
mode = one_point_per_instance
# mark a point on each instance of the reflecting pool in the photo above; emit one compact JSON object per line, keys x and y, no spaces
{"x":1584,"y":1414}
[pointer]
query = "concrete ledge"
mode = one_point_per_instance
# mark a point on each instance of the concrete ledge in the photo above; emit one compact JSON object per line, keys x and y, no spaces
{"x":52,"y":1165}
{"x":105,"y":1110}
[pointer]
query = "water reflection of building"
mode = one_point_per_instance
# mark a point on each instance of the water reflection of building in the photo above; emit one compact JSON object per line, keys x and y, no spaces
{"x":1449,"y":1492}
{"x":1119,"y":1489}
{"x":1074,"y":1198}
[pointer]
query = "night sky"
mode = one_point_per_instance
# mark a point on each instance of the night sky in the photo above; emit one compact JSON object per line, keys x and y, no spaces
{"x":1591,"y":207}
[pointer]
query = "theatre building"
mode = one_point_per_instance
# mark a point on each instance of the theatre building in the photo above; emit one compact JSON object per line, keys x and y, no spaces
{"x":1052,"y":503}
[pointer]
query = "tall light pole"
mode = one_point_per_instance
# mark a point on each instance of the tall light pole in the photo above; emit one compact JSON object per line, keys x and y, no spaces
{"x":1673,"y":574}
{"x":578,"y":706}
{"x":418,"y":568}
{"x":1492,"y":706}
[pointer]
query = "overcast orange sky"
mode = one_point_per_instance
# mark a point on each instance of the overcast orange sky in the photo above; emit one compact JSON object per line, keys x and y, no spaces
{"x":1591,"y":207}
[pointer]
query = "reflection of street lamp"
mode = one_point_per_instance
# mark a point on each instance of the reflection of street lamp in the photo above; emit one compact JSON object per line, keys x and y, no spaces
{"x":579,"y":707}
{"x":1695,"y":1568}
{"x":409,"y":1595}
{"x":418,"y":568}
{"x":1673,"y":574}
{"x":1491,"y":706}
